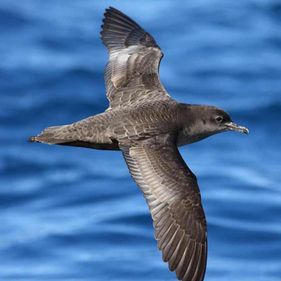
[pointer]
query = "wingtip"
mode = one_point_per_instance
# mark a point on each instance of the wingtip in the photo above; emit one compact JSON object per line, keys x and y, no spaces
{"x":119,"y":31}
{"x":111,"y":9}
{"x":106,"y":12}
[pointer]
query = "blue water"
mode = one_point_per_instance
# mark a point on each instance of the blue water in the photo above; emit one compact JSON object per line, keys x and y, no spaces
{"x":75,"y":214}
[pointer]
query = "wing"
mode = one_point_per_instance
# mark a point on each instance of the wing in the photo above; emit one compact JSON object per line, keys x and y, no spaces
{"x":131,"y":74}
{"x":173,"y":197}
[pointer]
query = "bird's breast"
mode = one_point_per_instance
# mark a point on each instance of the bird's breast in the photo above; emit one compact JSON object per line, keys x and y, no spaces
{"x":188,"y":135}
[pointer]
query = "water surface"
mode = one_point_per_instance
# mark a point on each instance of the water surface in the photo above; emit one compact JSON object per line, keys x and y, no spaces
{"x":75,"y":214}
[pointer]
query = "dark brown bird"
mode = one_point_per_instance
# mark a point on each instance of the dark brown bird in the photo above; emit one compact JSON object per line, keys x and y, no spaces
{"x":147,"y":125}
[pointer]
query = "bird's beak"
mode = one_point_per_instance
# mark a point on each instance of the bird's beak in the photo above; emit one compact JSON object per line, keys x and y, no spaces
{"x":234,"y":127}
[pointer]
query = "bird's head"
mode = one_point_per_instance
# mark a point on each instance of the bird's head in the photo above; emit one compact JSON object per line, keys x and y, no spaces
{"x":216,"y":120}
{"x":204,"y":121}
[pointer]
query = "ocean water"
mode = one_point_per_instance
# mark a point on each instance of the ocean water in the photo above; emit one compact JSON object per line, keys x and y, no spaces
{"x":72,"y":214}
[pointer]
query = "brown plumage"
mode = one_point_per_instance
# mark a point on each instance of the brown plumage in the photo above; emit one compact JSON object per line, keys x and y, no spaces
{"x":132,"y":71}
{"x":147,"y":125}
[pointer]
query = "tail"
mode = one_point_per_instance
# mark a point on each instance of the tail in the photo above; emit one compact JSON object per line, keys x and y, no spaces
{"x":85,"y":133}
{"x":54,"y":135}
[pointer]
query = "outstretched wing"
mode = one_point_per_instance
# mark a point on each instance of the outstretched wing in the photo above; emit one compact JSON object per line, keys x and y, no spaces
{"x":131,"y":74}
{"x":173,"y":197}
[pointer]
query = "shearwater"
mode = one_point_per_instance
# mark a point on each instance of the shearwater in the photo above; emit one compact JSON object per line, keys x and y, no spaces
{"x":147,"y":125}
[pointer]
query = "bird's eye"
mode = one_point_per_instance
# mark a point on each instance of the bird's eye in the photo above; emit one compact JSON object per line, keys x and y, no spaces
{"x":219,"y":119}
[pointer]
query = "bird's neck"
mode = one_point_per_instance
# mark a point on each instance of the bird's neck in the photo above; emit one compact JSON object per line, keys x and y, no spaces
{"x":191,"y":125}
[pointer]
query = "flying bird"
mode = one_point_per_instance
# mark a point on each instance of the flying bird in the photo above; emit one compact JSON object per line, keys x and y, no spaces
{"x":148,"y":126}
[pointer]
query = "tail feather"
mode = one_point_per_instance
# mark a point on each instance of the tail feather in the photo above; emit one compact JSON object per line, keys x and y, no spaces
{"x":54,"y":135}
{"x":76,"y":134}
